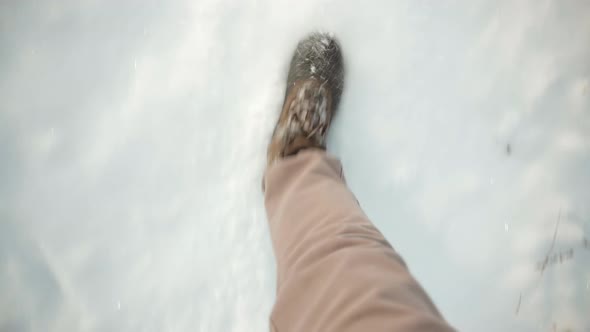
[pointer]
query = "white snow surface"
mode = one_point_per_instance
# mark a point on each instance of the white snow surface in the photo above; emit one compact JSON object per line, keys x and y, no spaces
{"x":133,"y":137}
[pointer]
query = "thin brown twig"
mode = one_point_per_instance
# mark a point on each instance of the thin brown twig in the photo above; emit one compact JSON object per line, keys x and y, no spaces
{"x":545,"y":261}
{"x":552,"y":242}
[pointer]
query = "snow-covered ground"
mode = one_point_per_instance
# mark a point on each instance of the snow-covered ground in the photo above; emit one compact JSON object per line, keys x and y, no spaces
{"x":133,"y":136}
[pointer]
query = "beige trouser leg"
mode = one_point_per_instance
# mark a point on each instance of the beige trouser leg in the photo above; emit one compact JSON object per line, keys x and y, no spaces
{"x":336,"y":272}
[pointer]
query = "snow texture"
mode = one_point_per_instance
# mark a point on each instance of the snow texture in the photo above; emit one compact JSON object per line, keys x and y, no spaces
{"x":133,"y":139}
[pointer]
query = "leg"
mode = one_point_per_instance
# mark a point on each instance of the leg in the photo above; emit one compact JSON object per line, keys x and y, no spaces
{"x":336,"y":272}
